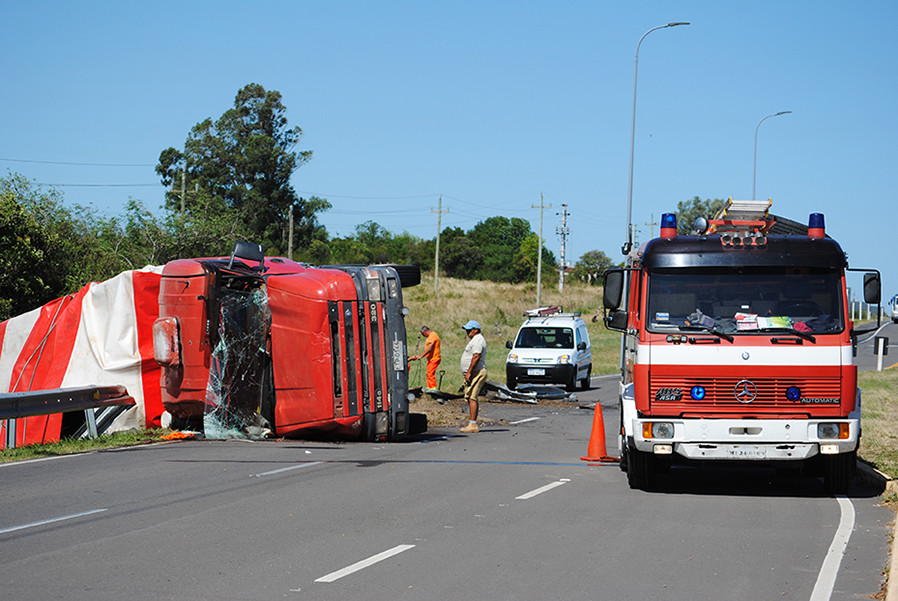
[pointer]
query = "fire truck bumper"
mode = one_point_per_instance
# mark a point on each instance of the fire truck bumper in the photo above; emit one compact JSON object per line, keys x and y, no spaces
{"x":746,"y":440}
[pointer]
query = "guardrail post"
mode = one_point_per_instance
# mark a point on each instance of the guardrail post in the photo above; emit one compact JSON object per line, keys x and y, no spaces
{"x":90,"y":418}
{"x":10,"y":433}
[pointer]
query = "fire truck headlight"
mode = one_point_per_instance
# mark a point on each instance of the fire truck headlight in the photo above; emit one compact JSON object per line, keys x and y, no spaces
{"x":657,"y":430}
{"x":839,"y":431}
{"x":828,"y":431}
{"x":697,"y":392}
{"x":793,"y":393}
{"x":563,"y":359}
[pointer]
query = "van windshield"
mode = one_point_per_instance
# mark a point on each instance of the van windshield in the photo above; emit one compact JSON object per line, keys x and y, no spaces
{"x":746,"y":300}
{"x":545,"y":337}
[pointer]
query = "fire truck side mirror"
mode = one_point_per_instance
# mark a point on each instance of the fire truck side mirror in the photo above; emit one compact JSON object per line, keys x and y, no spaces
{"x":617,"y":321}
{"x":872,"y":289}
{"x":613,"y":288}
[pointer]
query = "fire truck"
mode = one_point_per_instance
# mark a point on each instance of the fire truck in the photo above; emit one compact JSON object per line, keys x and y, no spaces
{"x":738,"y":347}
{"x":251,"y":345}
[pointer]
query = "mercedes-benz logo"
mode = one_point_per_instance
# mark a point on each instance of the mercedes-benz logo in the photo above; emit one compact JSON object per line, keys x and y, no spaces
{"x":745,"y":391}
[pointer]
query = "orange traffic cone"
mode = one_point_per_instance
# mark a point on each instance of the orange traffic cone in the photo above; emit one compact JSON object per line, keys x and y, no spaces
{"x":596,"y":450}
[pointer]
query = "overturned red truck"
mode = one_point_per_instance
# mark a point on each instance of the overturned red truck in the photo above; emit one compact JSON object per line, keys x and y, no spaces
{"x":253,"y":344}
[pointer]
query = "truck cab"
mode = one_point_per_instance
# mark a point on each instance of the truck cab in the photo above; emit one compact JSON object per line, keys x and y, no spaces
{"x":738,"y":347}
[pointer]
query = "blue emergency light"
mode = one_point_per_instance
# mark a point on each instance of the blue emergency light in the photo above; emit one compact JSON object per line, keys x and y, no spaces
{"x":697,"y":392}
{"x":668,"y":225}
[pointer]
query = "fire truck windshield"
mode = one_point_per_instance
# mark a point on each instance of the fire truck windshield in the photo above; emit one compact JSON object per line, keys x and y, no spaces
{"x":745,"y":300}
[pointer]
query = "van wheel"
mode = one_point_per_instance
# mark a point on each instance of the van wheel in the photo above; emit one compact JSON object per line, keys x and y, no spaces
{"x":512,"y":384}
{"x":584,"y":383}
{"x":571,"y":385}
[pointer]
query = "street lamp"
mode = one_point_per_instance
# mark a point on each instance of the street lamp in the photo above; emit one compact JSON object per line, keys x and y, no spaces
{"x":629,"y":244}
{"x":754,"y":172}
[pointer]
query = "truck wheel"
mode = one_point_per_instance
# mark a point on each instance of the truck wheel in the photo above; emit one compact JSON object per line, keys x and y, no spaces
{"x":838,"y":471}
{"x":512,"y":384}
{"x":640,"y":469}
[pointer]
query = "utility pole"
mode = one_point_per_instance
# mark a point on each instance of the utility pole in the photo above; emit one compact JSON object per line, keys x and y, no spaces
{"x":436,"y":258}
{"x":290,"y":233}
{"x":539,"y":249}
{"x":652,"y":223}
{"x":563,"y":231}
{"x":183,"y":186}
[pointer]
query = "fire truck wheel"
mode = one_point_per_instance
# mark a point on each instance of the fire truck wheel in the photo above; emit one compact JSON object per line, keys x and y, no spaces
{"x":640,"y":469}
{"x":838,"y":472}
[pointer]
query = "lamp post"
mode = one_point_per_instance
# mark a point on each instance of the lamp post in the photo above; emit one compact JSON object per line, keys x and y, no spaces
{"x":629,"y":244}
{"x":754,"y":172}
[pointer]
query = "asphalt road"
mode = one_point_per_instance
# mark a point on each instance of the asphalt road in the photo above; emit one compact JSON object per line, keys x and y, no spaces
{"x":866,"y":358}
{"x":509,"y":513}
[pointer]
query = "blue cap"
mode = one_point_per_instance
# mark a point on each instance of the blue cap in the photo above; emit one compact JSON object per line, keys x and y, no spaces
{"x":471,"y":325}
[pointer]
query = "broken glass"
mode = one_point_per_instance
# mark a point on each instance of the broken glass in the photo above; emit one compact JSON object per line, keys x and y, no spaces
{"x":238,"y":366}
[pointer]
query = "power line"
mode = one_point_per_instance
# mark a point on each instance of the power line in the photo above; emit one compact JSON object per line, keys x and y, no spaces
{"x":99,"y":185}
{"x":76,"y":163}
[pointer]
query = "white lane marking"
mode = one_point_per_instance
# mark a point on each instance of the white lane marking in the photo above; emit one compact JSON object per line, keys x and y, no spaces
{"x":524,"y":421}
{"x":285,"y":469}
{"x":51,"y":520}
{"x":826,"y":579}
{"x":364,"y":563}
{"x":542,"y":489}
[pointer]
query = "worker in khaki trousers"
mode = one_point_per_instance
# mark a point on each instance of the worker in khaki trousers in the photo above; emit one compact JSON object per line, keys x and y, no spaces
{"x":473,"y":368}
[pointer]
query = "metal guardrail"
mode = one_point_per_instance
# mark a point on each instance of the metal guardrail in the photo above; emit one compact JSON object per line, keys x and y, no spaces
{"x":15,"y":405}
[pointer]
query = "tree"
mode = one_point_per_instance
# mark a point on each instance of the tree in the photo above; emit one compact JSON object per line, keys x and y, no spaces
{"x":688,"y":211}
{"x":499,"y":239}
{"x":526,"y":261}
{"x":591,"y":266}
{"x":241,"y":165}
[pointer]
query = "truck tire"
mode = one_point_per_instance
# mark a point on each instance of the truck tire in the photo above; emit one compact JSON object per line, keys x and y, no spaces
{"x":512,"y":383}
{"x":838,"y":471}
{"x":640,"y":469}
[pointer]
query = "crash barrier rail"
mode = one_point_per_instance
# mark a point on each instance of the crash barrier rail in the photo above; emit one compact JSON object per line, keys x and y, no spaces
{"x":111,"y":401}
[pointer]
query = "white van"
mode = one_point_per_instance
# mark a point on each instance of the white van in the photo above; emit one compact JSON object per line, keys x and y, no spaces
{"x":894,"y":303}
{"x":550,"y":348}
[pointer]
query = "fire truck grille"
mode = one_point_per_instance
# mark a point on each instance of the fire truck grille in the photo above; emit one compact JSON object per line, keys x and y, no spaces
{"x":756,"y":393}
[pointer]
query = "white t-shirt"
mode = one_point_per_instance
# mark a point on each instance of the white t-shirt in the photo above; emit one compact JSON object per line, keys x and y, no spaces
{"x":475,"y":345}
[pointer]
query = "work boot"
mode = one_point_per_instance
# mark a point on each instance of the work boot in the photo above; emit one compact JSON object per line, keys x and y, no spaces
{"x":471,"y":427}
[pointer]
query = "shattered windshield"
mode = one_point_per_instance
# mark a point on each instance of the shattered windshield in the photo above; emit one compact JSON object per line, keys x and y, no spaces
{"x":235,"y":387}
{"x":745,"y":300}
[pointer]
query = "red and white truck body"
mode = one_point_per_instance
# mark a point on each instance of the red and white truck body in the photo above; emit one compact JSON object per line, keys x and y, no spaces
{"x":738,"y":347}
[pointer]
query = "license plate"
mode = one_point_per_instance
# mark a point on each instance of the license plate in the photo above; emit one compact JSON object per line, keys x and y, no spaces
{"x":536,"y":371}
{"x":747,"y":452}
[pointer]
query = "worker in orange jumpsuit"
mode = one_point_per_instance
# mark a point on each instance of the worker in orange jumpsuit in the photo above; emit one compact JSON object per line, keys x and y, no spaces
{"x":432,"y":353}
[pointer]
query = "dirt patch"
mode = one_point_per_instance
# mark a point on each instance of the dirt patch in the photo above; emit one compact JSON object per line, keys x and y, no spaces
{"x":447,"y":413}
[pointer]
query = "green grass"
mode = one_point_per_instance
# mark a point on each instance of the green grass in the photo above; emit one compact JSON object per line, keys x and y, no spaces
{"x":69,"y":446}
{"x":879,"y":419}
{"x":499,"y":308}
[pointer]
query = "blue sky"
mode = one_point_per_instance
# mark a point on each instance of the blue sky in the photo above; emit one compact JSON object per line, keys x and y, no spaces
{"x":488,"y":104}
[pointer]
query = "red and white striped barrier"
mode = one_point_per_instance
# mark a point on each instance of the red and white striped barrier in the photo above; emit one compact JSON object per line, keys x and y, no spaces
{"x":101,"y":335}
